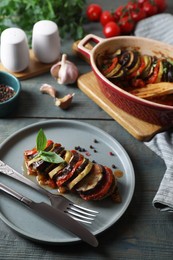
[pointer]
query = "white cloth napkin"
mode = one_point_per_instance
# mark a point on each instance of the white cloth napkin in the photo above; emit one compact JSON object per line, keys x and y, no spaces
{"x":160,"y":27}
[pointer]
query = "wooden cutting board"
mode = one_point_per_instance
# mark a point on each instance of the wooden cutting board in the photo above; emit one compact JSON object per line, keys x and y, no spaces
{"x":140,"y":129}
{"x":35,"y":68}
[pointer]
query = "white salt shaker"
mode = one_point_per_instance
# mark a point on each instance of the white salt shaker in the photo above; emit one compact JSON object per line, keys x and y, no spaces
{"x":14,"y":50}
{"x":46,"y":41}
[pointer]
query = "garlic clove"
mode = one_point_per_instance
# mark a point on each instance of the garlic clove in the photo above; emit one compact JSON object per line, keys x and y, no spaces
{"x":48,"y":89}
{"x":54,"y":71}
{"x":65,"y":71}
{"x":64,"y":102}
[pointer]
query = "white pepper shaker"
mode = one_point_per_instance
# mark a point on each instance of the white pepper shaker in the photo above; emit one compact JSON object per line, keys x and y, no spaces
{"x":14,"y":50}
{"x":46,"y":41}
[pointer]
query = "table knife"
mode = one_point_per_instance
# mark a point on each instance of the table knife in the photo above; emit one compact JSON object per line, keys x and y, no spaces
{"x":55,"y":216}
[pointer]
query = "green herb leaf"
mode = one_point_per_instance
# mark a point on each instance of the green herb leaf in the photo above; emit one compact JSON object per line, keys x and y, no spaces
{"x":46,"y":156}
{"x":68,"y":15}
{"x":41,"y":140}
{"x":50,"y":157}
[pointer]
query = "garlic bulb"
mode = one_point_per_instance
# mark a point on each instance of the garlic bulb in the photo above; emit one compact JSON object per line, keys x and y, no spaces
{"x":65,"y":71}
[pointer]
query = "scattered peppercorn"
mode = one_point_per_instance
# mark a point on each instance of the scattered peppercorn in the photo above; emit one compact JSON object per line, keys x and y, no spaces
{"x":6,"y":92}
{"x":114,"y":166}
{"x":111,"y":153}
{"x":96,"y":141}
{"x":80,"y":149}
{"x":95,"y":151}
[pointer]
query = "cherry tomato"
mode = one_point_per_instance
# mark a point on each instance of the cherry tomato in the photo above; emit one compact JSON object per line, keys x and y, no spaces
{"x":149,"y":8}
{"x":93,"y":12}
{"x":131,"y":5}
{"x":161,"y":5}
{"x":120,"y":11}
{"x":126,"y":25}
{"x":141,"y":2}
{"x":111,"y":29}
{"x":138,"y":14}
{"x":106,"y":17}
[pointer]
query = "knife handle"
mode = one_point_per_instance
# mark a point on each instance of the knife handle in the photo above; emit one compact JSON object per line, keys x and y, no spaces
{"x":15,"y":194}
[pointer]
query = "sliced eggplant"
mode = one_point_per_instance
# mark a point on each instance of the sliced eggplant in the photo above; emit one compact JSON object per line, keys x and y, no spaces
{"x":102,"y":189}
{"x":125,"y":58}
{"x":170,"y":73}
{"x":92,"y":179}
{"x":66,"y":173}
{"x":135,"y":64}
{"x":148,"y":72}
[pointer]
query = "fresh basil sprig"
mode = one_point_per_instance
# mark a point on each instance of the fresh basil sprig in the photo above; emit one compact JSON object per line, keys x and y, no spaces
{"x":41,"y":142}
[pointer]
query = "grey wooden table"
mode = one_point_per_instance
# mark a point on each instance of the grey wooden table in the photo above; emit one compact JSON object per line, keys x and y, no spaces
{"x":142,"y":232}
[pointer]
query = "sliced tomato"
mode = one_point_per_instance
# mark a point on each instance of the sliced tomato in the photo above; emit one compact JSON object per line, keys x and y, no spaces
{"x":111,"y":67}
{"x":30,"y":152}
{"x":49,"y":142}
{"x":154,"y":76}
{"x":138,"y":83}
{"x":61,"y":179}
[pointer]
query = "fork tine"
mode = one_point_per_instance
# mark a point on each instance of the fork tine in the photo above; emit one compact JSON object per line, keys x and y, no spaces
{"x":81,"y":220}
{"x":79,"y":217}
{"x":85,"y":209}
{"x":78,"y":210}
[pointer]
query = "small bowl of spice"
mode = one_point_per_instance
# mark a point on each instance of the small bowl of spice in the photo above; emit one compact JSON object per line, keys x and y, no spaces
{"x":10,"y":88}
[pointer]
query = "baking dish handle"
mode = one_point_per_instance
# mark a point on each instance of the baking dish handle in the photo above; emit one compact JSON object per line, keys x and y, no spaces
{"x":82,"y":45}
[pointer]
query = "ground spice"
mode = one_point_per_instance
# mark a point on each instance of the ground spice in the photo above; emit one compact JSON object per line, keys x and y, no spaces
{"x":6,"y":92}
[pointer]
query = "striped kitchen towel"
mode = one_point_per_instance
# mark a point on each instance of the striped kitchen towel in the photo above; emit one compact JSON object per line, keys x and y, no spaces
{"x":162,"y":145}
{"x":158,"y":27}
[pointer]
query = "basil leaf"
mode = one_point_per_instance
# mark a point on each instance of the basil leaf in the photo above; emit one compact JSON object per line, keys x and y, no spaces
{"x":41,"y":140}
{"x":51,"y":157}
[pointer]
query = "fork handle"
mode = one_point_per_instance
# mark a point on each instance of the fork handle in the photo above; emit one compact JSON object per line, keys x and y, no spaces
{"x":7,"y":170}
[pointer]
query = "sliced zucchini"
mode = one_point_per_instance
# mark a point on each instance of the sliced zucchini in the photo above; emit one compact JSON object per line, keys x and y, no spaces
{"x":56,"y":170}
{"x":114,"y":71}
{"x":80,"y":176}
{"x":92,"y":179}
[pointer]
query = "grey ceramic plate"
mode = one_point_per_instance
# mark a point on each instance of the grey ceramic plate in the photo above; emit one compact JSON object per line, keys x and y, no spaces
{"x":70,"y":134}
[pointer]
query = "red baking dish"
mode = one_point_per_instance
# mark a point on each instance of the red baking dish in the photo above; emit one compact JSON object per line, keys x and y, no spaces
{"x":146,"y":110}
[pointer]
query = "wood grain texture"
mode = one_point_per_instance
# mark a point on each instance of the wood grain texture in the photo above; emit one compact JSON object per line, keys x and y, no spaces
{"x":142,"y":233}
{"x":35,"y":68}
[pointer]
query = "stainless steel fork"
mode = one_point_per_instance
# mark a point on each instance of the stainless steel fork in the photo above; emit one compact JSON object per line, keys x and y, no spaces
{"x":57,"y":201}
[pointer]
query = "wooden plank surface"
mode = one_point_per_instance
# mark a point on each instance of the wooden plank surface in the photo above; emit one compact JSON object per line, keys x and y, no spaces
{"x":142,"y":233}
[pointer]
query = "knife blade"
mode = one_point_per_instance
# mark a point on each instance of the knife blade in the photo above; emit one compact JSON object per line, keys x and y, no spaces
{"x":56,"y":216}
